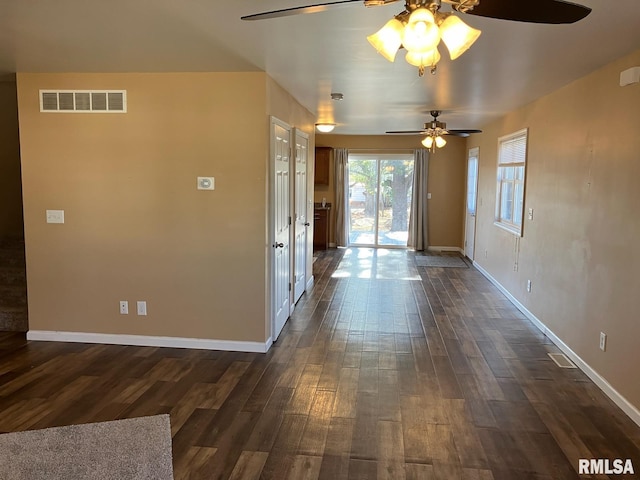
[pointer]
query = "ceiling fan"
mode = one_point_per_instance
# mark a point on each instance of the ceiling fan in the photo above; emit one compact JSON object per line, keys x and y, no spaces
{"x":421,"y":25}
{"x":434,"y":131}
{"x":532,"y":11}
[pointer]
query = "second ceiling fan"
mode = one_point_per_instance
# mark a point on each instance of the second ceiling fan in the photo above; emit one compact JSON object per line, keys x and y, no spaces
{"x":434,"y":131}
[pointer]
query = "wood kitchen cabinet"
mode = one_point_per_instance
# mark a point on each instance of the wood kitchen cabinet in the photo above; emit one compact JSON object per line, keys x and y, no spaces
{"x":323,"y":158}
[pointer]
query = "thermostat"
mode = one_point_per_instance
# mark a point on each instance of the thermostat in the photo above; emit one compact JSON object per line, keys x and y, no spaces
{"x":205,"y":183}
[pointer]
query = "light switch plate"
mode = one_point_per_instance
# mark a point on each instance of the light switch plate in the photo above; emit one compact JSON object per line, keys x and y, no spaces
{"x":55,"y":216}
{"x":141,"y":307}
{"x":206,"y":183}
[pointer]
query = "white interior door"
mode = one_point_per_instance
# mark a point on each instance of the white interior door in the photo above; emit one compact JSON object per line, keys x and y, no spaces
{"x":280,"y":225}
{"x":472,"y":198}
{"x":300,"y":215}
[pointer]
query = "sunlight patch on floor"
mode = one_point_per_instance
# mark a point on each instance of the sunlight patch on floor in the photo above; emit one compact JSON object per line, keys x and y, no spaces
{"x":376,"y":263}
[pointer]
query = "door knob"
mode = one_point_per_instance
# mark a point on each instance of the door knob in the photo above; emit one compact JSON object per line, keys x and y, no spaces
{"x":306,"y":224}
{"x":278,"y":245}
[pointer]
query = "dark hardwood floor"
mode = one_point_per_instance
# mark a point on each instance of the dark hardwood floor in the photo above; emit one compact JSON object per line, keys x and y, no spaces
{"x":386,"y":370}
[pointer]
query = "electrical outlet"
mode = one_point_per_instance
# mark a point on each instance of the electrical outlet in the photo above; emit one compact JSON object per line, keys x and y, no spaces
{"x":603,"y":341}
{"x":531,"y":214}
{"x":529,"y":286}
{"x":142,"y":307}
{"x":124,"y":307}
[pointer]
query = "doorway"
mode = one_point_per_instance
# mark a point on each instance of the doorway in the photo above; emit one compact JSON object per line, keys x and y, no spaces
{"x":280,"y":187}
{"x":13,"y":279}
{"x":301,"y":222}
{"x":471,"y":204}
{"x":380,"y":189}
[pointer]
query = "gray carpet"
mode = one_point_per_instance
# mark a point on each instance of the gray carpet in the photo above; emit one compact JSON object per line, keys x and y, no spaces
{"x":137,"y":448}
{"x":440,"y":261}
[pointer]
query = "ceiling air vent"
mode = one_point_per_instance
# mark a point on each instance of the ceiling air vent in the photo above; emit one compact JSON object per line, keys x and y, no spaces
{"x":83,"y":101}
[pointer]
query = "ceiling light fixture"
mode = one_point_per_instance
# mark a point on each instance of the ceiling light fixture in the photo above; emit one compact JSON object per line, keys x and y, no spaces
{"x":419,"y":30}
{"x":431,"y":141}
{"x":325,"y":127}
{"x":434,"y":131}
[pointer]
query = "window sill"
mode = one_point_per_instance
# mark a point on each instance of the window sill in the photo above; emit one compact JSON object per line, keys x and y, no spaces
{"x":507,"y":228}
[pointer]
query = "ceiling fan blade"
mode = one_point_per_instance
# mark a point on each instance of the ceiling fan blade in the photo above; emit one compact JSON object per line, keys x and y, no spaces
{"x":285,"y":12}
{"x":407,"y":132}
{"x":462,"y":133}
{"x":538,"y":11}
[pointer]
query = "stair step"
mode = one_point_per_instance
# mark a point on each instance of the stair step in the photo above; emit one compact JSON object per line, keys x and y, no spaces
{"x":14,"y":319}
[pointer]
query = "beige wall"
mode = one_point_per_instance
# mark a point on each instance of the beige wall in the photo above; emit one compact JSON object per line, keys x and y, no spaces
{"x":447,"y":169}
{"x":10,"y":187}
{"x":583,"y":168}
{"x":136,"y":227}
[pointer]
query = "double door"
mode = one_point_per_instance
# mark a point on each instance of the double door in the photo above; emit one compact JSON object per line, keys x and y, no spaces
{"x":288,"y":224}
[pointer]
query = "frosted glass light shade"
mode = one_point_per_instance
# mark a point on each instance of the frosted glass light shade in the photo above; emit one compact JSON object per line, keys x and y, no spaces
{"x":388,"y":39}
{"x":325,"y":127}
{"x":426,"y":59}
{"x":440,"y":142}
{"x":457,"y":35}
{"x":421,"y":15}
{"x":421,"y":33}
{"x":428,"y":142}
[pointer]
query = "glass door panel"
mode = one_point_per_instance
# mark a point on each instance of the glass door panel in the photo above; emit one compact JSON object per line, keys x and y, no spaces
{"x":396,"y":179}
{"x":379,"y":199}
{"x":363,"y":191}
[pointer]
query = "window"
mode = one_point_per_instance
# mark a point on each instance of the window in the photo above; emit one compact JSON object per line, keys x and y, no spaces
{"x":512,"y":156}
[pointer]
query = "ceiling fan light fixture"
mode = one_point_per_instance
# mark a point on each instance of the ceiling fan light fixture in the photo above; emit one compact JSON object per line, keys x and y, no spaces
{"x":419,"y":30}
{"x":421,"y":14}
{"x":388,"y":39}
{"x":440,"y":142}
{"x":457,"y":35}
{"x":427,"y":142}
{"x":325,"y":127}
{"x":421,"y":33}
{"x":424,"y":60}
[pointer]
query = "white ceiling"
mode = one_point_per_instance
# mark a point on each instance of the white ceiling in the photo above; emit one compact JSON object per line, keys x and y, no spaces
{"x":313,"y":55}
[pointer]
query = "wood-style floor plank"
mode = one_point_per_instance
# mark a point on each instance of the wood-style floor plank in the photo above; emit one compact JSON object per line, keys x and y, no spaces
{"x":385,"y":370}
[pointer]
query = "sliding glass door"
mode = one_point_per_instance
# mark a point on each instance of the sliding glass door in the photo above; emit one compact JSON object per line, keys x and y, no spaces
{"x":379,"y":187}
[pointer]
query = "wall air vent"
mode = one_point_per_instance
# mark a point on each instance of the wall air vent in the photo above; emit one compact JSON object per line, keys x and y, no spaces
{"x":83,"y":101}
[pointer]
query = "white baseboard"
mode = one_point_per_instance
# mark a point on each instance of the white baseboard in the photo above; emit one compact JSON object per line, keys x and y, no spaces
{"x":445,"y":249}
{"x":310,"y":282}
{"x":605,"y":386}
{"x":149,"y":341}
